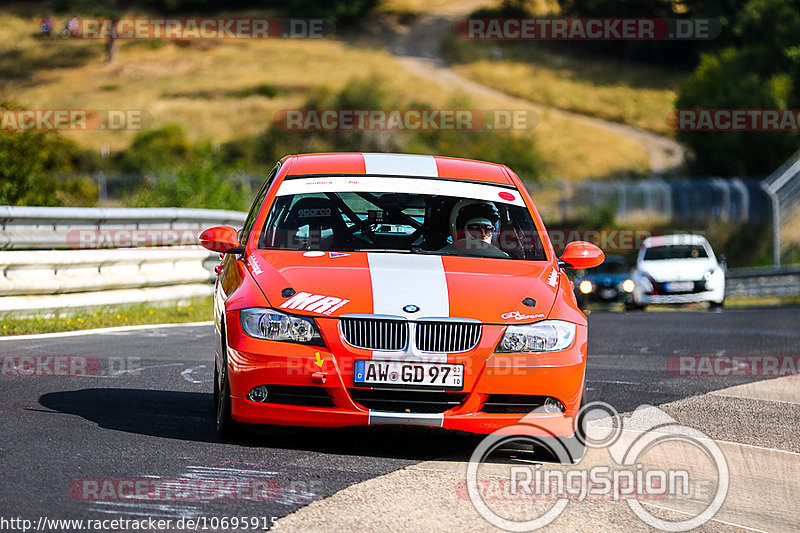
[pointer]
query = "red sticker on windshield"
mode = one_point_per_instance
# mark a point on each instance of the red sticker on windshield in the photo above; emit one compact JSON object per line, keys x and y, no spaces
{"x":506,"y":196}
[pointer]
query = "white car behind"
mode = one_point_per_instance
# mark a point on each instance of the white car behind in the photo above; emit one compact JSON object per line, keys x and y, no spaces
{"x":677,"y":269}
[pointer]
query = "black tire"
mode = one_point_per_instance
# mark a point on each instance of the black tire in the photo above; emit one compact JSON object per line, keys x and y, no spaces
{"x":633,"y":306}
{"x":716,"y":306}
{"x":227,"y":428}
{"x":576,"y":444}
{"x":216,"y":383}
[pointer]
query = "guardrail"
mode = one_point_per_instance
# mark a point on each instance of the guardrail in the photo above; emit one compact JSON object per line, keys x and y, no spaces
{"x":79,"y":270}
{"x":26,"y":228}
{"x":763,"y":282}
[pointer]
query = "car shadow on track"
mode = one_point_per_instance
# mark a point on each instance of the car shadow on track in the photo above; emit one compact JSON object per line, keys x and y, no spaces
{"x":189,"y":416}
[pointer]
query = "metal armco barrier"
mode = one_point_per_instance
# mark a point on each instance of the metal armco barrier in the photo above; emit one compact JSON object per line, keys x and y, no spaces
{"x":92,"y":258}
{"x":27,"y":228}
{"x":763,"y":282}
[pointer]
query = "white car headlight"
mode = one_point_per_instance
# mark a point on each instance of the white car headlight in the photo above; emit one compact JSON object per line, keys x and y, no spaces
{"x":273,"y":325}
{"x":545,"y":336}
{"x":585,"y":287}
{"x":708,"y":274}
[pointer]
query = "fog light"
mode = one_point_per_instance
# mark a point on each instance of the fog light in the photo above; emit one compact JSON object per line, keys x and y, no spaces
{"x":258,"y":394}
{"x":551,"y":405}
{"x":585,"y":287}
{"x":628,"y":285}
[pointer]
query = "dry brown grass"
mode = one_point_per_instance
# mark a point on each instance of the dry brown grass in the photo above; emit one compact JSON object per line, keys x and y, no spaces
{"x":63,"y":74}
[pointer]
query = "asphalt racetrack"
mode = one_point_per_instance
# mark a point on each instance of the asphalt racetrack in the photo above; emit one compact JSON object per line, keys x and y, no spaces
{"x":74,"y":447}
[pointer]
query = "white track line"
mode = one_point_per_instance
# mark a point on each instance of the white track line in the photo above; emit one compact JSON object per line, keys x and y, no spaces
{"x":101,"y":331}
{"x":712,"y":519}
{"x":709,"y":439}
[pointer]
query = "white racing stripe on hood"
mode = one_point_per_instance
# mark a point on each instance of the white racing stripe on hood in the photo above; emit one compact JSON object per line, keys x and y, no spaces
{"x":399,"y":280}
{"x":401,"y":164}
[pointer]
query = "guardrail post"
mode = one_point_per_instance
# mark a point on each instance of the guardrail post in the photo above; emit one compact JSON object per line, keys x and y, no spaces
{"x":776,"y":223}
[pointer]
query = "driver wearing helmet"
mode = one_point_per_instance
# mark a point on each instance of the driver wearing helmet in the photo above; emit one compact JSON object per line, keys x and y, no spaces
{"x":477,"y":225}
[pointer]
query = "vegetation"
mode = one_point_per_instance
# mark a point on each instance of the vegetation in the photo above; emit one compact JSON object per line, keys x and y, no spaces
{"x":762,"y":71}
{"x":194,"y":310}
{"x":29,"y":162}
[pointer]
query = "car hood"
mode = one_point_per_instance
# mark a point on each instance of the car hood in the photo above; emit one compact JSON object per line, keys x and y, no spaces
{"x":677,"y":269}
{"x":410,"y":285}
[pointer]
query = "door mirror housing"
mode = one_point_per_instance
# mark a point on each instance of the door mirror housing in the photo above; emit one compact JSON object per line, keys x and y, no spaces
{"x":220,"y":239}
{"x":582,"y":254}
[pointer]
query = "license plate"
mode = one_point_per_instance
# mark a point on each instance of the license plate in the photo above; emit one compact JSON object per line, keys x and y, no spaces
{"x":679,"y":286}
{"x":409,"y":374}
{"x":608,"y":293}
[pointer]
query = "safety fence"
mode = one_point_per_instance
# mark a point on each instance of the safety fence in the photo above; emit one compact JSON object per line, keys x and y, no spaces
{"x":680,"y":200}
{"x":88,"y":257}
{"x":763,"y":282}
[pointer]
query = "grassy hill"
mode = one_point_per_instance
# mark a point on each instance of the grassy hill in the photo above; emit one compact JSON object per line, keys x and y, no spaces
{"x":224,"y":90}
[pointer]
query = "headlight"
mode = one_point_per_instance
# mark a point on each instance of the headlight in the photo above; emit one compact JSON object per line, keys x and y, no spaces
{"x":276,"y":326}
{"x":545,"y":336}
{"x":628,"y":285}
{"x":708,"y":274}
{"x":585,"y":287}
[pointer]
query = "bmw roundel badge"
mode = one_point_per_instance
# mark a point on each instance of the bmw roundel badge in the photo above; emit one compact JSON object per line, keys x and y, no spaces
{"x":411,"y":308}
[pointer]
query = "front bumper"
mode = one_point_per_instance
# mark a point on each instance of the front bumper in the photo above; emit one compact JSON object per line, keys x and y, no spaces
{"x":706,"y":296}
{"x":253,"y":362}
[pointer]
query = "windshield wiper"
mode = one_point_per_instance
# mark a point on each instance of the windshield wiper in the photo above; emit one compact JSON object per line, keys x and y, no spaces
{"x":383,"y":250}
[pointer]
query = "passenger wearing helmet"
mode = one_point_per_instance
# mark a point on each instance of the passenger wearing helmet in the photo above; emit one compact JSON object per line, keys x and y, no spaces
{"x":476,"y":226}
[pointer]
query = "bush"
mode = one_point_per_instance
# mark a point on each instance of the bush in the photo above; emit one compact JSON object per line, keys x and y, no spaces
{"x":763,"y":72}
{"x":724,"y":81}
{"x":155,"y":150}
{"x":29,"y":160}
{"x":199,"y":183}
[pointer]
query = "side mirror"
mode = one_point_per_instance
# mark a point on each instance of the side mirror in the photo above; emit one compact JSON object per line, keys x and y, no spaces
{"x":219,"y":239}
{"x":581,"y":254}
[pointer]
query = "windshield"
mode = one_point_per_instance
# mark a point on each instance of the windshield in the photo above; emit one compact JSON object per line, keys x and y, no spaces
{"x":678,"y":251}
{"x":610,"y":267}
{"x":369,"y":214}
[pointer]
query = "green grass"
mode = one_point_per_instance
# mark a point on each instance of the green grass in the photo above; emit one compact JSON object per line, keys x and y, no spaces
{"x":194,"y":310}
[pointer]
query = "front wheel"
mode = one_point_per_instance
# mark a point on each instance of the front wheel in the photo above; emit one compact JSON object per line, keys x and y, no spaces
{"x":633,"y":306}
{"x":716,"y":306}
{"x":226,"y":427}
